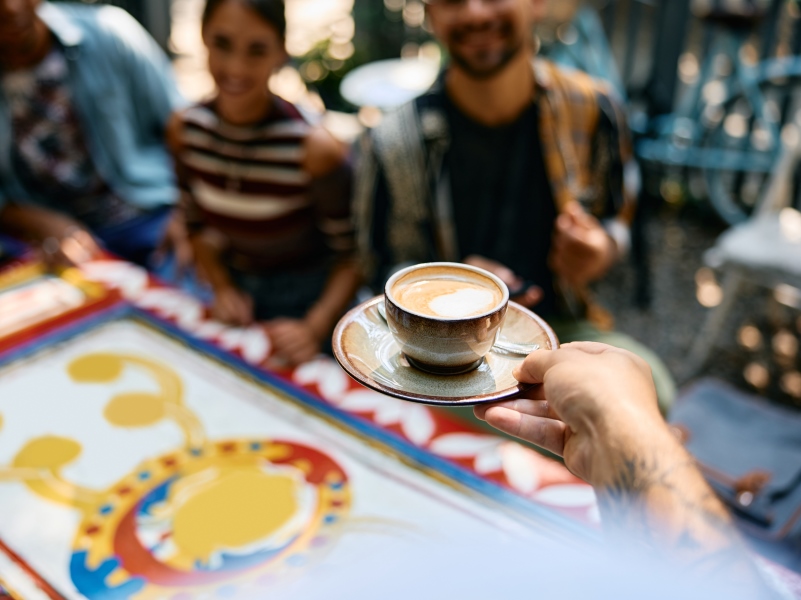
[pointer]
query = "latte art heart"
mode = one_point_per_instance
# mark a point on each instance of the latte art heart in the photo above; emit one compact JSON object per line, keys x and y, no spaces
{"x":463,"y":303}
{"x":448,"y":298}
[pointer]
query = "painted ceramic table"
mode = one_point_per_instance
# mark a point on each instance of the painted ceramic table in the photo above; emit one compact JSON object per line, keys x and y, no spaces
{"x":147,"y":452}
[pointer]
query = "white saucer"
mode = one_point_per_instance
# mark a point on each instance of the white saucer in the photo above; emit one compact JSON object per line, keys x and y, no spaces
{"x":365,"y":348}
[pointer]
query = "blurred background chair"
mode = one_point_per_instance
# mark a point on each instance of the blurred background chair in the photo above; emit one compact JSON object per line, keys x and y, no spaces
{"x":764,"y":250}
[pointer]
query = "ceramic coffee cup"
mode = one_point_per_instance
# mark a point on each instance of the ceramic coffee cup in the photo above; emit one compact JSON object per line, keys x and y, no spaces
{"x":445,"y":316}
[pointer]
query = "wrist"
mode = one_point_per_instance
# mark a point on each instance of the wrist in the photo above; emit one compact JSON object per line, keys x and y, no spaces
{"x":318,"y":323}
{"x":617,"y":449}
{"x":220,"y":286}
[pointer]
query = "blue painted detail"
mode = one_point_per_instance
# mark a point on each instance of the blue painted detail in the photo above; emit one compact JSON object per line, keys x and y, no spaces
{"x":196,"y":452}
{"x":155,"y":496}
{"x":328,"y":519}
{"x":255,"y":446}
{"x":92,"y":583}
{"x":144,"y":475}
{"x":240,"y":563}
{"x":337,"y":485}
{"x":115,"y":312}
{"x":106,"y":509}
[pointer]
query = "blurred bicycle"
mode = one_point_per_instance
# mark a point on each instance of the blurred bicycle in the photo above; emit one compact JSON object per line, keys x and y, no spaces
{"x":729,"y":123}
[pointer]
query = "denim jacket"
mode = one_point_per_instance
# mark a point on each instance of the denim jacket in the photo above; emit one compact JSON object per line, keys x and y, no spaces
{"x":123,"y":92}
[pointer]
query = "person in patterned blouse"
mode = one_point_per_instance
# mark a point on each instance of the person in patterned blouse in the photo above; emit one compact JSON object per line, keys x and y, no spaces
{"x":85,"y":95}
{"x":266,"y":195}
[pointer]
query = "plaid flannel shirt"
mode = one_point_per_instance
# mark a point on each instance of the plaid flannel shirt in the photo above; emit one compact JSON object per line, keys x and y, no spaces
{"x":586,"y":146}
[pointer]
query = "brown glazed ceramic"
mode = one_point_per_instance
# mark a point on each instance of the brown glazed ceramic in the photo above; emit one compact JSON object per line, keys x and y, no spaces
{"x":443,"y":345}
{"x":370,"y":354}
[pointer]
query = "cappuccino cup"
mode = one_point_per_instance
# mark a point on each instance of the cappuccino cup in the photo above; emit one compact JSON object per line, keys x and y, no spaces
{"x":445,"y":316}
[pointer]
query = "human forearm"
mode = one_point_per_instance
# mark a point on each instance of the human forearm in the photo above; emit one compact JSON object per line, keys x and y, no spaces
{"x":596,"y":406}
{"x":654,"y":494}
{"x":62,"y":240}
{"x":35,"y":223}
{"x":339,"y":290}
{"x":655,"y":491}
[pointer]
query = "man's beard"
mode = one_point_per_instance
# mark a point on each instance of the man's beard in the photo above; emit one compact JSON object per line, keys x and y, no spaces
{"x":475,"y":70}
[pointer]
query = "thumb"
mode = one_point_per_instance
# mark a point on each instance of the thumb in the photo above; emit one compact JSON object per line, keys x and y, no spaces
{"x":530,"y":297}
{"x":573,"y":209}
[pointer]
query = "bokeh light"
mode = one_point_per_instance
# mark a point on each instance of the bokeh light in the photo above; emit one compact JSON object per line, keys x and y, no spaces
{"x":688,"y":68}
{"x":750,"y":338}
{"x":370,"y":116}
{"x":708,"y":292}
{"x":790,"y":384}
{"x":785,"y":344}
{"x":757,"y":375}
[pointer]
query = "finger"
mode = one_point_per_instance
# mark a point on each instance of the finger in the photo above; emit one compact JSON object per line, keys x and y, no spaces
{"x":502,"y":272}
{"x":293,"y":345}
{"x":574,"y":210}
{"x":535,"y":392}
{"x":533,"y":408}
{"x":565,"y":222}
{"x":229,"y":311}
{"x":526,"y":406}
{"x":247,"y":309}
{"x":536,"y":364}
{"x":235,"y":311}
{"x":533,"y":296}
{"x":572,"y":207}
{"x":303,"y":355}
{"x":280,"y":331}
{"x":221,"y":313}
{"x":591,"y":347}
{"x":245,"y":314}
{"x":183,"y":256}
{"x":75,"y":251}
{"x":571,"y":236}
{"x":545,"y":433}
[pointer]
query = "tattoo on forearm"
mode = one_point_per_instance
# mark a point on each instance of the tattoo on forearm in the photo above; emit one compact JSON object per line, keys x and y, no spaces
{"x":666,"y":505}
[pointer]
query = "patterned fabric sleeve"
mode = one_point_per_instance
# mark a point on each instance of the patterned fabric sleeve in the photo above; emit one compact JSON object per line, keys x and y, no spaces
{"x":611,"y":157}
{"x":186,"y":202}
{"x":331,"y":196}
{"x":586,"y":142}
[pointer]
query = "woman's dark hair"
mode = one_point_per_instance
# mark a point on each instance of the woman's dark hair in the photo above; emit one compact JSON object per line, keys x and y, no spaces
{"x":271,"y":11}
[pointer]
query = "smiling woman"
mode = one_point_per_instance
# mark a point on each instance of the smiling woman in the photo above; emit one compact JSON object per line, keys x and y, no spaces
{"x":243,"y":53}
{"x":265,"y":193}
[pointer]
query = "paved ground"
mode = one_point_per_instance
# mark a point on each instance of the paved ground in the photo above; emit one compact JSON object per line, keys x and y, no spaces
{"x":760,"y":337}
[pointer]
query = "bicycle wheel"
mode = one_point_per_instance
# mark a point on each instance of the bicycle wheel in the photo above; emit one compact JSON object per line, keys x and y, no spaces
{"x":741,"y":144}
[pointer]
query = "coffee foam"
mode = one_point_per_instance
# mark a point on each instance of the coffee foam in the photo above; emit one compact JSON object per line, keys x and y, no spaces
{"x":447,"y":297}
{"x":463,"y":303}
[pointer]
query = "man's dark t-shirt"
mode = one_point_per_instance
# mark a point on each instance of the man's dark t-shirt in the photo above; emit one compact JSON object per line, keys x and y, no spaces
{"x":503,"y":205}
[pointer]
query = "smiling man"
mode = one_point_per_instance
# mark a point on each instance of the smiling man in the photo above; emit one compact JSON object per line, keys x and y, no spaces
{"x":85,"y":95}
{"x":507,"y":163}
